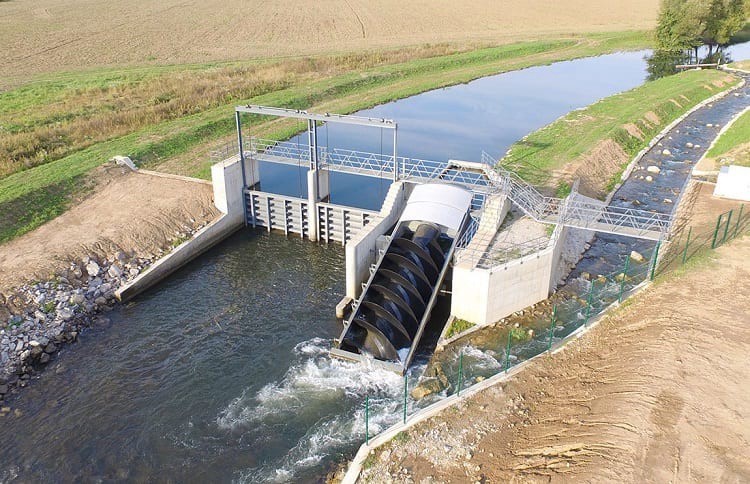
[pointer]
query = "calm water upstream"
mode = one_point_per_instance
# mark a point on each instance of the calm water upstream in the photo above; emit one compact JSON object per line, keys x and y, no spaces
{"x":220,"y":372}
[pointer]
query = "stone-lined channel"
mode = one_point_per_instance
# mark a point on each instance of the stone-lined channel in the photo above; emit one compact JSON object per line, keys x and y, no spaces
{"x":220,"y":373}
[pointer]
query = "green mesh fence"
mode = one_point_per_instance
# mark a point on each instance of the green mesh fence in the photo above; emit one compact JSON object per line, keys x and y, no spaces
{"x":466,"y":365}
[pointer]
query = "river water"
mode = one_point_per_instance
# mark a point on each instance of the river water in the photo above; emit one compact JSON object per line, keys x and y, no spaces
{"x":220,"y":373}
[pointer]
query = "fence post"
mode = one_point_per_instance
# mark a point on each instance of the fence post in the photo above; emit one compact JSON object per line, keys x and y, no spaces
{"x":655,"y":259}
{"x":685,"y":253}
{"x":624,"y":276}
{"x":406,"y":394}
{"x":460,"y":371}
{"x":726,"y":229}
{"x":588,"y":302}
{"x":507,"y":350}
{"x":739,"y":217}
{"x":552,"y":322}
{"x":716,"y":231}
{"x":367,"y":419}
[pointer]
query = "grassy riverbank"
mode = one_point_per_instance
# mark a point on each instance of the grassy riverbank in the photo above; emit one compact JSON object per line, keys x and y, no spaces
{"x":609,"y":132}
{"x":62,"y":127}
{"x":733,"y":146}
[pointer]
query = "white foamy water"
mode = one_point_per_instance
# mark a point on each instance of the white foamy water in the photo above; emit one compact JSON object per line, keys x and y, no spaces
{"x":320,"y":398}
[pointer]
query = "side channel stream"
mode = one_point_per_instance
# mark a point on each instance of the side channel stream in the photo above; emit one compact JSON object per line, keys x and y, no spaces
{"x":221,"y":373}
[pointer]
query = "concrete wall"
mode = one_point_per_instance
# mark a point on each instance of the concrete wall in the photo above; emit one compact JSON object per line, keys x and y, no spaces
{"x":229,"y":199}
{"x":559,"y":237}
{"x":483,"y":296}
{"x":733,"y":182}
{"x":361,"y":249}
{"x":226,"y":177}
{"x":203,"y":240}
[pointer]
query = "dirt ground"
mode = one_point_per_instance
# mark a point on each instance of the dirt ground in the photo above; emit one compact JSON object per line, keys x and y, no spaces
{"x":132,"y":212}
{"x":60,"y":35}
{"x":655,"y":393}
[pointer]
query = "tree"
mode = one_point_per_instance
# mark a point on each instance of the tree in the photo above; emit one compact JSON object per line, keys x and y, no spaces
{"x":685,"y":25}
{"x":680,"y":24}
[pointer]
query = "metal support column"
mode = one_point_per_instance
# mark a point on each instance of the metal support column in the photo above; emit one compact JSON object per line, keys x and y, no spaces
{"x":238,"y":122}
{"x":395,"y":153}
{"x":312,"y":142}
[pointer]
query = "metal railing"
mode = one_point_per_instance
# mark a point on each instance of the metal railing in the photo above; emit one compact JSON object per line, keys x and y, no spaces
{"x":490,"y":250}
{"x":578,"y":213}
{"x":482,"y":178}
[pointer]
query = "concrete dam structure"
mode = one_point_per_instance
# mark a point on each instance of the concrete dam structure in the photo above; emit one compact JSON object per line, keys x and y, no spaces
{"x":440,"y":224}
{"x":390,"y":316}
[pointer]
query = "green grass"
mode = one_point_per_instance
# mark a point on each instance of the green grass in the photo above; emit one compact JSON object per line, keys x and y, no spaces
{"x":458,"y":326}
{"x":734,"y":137}
{"x":32,"y":196}
{"x":575,"y":135}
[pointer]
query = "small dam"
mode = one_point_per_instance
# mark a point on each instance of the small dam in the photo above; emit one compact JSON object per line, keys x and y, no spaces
{"x":436,"y":233}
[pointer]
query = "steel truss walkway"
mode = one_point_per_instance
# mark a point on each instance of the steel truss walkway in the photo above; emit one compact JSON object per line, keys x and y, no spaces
{"x":483,"y":178}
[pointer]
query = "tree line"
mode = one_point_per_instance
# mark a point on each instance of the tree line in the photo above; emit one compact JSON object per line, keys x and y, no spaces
{"x":686,"y":25}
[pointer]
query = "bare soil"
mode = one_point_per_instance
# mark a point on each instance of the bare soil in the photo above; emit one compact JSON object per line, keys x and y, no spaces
{"x":63,"y":35}
{"x":594,"y":169}
{"x":655,"y":393}
{"x":136,"y":213}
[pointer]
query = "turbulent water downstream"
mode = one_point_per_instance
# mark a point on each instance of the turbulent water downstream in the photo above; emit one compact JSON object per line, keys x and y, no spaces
{"x":221,"y":374}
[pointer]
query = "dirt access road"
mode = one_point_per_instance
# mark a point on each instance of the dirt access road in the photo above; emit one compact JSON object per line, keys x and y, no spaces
{"x":656,"y":393}
{"x":61,"y":35}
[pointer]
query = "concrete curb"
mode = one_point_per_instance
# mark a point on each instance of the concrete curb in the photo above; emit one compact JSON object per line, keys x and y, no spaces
{"x":355,"y":467}
{"x":200,"y":242}
{"x":173,"y":177}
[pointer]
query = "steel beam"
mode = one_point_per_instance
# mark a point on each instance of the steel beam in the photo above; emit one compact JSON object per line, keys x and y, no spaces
{"x":326,"y":117}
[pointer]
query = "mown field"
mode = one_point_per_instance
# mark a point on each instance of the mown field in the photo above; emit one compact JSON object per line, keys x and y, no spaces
{"x":59,"y":128}
{"x":623,"y":124}
{"x":41,"y":36}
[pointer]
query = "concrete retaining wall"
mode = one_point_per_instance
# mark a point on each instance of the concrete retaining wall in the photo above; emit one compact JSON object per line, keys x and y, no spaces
{"x":483,"y":296}
{"x":361,"y":249}
{"x":203,"y":240}
{"x":229,"y":199}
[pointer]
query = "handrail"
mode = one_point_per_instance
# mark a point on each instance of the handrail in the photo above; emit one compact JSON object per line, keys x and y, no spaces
{"x":484,"y":177}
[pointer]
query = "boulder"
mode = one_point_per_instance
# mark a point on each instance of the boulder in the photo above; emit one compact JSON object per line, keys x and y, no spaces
{"x":92,"y":268}
{"x":428,"y":386}
{"x":649,"y":178}
{"x":689,"y":144}
{"x":114,"y":271}
{"x":653,"y":169}
{"x":636,"y":256}
{"x":666,"y":152}
{"x":65,"y":314}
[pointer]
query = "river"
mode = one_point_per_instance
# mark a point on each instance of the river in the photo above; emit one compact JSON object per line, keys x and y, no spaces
{"x":220,"y":373}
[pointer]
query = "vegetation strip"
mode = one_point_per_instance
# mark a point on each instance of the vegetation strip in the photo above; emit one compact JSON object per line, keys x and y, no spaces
{"x":733,"y":145}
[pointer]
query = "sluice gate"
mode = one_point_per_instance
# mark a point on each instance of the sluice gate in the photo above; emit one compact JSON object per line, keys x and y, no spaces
{"x":389,"y":318}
